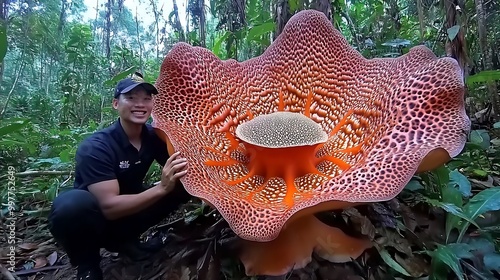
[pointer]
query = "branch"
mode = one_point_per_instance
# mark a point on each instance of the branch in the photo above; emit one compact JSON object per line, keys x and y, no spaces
{"x":21,"y":68}
{"x":43,"y":172}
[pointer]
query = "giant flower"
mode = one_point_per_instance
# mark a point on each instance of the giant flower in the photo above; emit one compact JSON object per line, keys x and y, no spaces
{"x":310,"y":125}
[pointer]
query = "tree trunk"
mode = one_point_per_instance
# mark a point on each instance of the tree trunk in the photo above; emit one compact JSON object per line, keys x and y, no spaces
{"x":281,"y":16}
{"x":421,"y":21}
{"x":201,"y":7}
{"x":394,"y":13}
{"x":456,"y":48}
{"x":324,"y":6}
{"x":176,"y":23}
{"x":487,"y":55}
{"x":62,"y":18}
{"x":19,"y":74}
{"x":156,"y":15}
{"x":3,"y":21}
{"x":139,"y":40}
{"x":107,"y":29}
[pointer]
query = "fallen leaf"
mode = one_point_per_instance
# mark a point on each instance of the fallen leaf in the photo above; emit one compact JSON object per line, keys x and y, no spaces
{"x":52,"y":258}
{"x":416,"y":265}
{"x":40,"y":262}
{"x":361,"y":223}
{"x":409,"y":218}
{"x":393,"y":239}
{"x":382,"y":215}
{"x":44,"y":250}
{"x":28,"y":246}
{"x":185,"y":273}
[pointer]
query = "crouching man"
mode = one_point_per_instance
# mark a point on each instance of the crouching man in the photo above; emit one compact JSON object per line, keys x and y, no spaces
{"x":109,"y":207}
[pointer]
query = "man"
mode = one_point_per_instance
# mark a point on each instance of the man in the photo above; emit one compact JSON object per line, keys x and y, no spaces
{"x":109,"y":207}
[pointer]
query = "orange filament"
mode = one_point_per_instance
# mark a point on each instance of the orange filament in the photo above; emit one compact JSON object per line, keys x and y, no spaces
{"x":250,"y":114}
{"x":288,"y":163}
{"x":281,"y":105}
{"x":307,"y":107}
{"x":228,"y":162}
{"x":342,"y":122}
{"x":340,"y":163}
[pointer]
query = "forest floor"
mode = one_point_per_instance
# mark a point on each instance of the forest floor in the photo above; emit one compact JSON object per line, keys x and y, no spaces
{"x":201,"y":246}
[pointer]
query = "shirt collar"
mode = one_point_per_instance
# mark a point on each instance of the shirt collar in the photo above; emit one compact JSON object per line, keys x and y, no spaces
{"x":122,"y":137}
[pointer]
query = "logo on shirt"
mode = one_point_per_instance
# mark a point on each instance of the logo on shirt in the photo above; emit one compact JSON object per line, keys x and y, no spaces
{"x":124,"y":164}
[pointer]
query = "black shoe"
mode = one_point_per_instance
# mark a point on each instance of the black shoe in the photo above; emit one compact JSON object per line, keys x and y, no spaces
{"x":135,"y":250}
{"x":89,"y":272}
{"x":155,"y":243}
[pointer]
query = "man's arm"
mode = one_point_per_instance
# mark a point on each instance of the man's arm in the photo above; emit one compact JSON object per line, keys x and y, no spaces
{"x":115,"y":206}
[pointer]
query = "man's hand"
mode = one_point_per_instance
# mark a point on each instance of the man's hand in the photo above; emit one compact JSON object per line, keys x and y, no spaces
{"x":174,"y":168}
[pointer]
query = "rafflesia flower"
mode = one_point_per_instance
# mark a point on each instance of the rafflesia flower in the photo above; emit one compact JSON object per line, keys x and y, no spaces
{"x":310,"y":125}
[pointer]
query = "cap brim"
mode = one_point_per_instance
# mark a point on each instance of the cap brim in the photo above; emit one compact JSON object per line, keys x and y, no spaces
{"x":147,"y":86}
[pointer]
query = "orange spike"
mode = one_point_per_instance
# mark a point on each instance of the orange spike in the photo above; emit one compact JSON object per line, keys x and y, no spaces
{"x":240,"y":180}
{"x":352,"y":150}
{"x":340,"y":163}
{"x":250,"y":114}
{"x":290,"y":192}
{"x":342,"y":122}
{"x":228,"y":162}
{"x":281,"y":105}
{"x":234,"y":143}
{"x":307,"y":107}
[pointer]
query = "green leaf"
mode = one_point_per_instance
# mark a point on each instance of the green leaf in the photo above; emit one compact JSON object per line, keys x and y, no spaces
{"x":12,"y":127}
{"x":442,"y":175}
{"x":458,"y":179}
{"x":481,"y":245}
{"x":3,"y":41}
{"x":453,"y":196}
{"x":492,"y":261}
{"x":480,"y":173}
{"x":259,"y":30}
{"x":218,"y":43}
{"x":65,"y":155}
{"x":480,"y":137}
{"x":451,"y":208}
{"x":120,"y":76}
{"x":453,"y":31}
{"x":485,"y":201}
{"x":461,"y":250}
{"x":414,"y":185}
{"x":496,"y":125}
{"x":484,"y":76}
{"x":445,"y":254}
{"x":293,"y":4}
{"x":392,"y":263}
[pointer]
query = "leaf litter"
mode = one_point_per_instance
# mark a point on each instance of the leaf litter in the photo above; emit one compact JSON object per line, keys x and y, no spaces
{"x":200,"y":245}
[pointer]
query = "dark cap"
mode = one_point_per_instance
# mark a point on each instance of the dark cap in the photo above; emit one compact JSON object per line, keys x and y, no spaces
{"x":129,"y":84}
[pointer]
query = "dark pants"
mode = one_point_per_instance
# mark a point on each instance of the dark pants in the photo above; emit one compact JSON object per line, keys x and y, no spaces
{"x":79,"y":226}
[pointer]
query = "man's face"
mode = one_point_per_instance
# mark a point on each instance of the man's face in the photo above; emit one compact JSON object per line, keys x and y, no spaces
{"x":134,"y":106}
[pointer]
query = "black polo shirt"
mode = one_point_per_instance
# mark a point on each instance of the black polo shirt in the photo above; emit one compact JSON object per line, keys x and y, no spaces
{"x":108,"y":154}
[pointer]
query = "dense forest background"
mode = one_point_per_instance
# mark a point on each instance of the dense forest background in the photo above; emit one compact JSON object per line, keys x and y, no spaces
{"x":58,"y":69}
